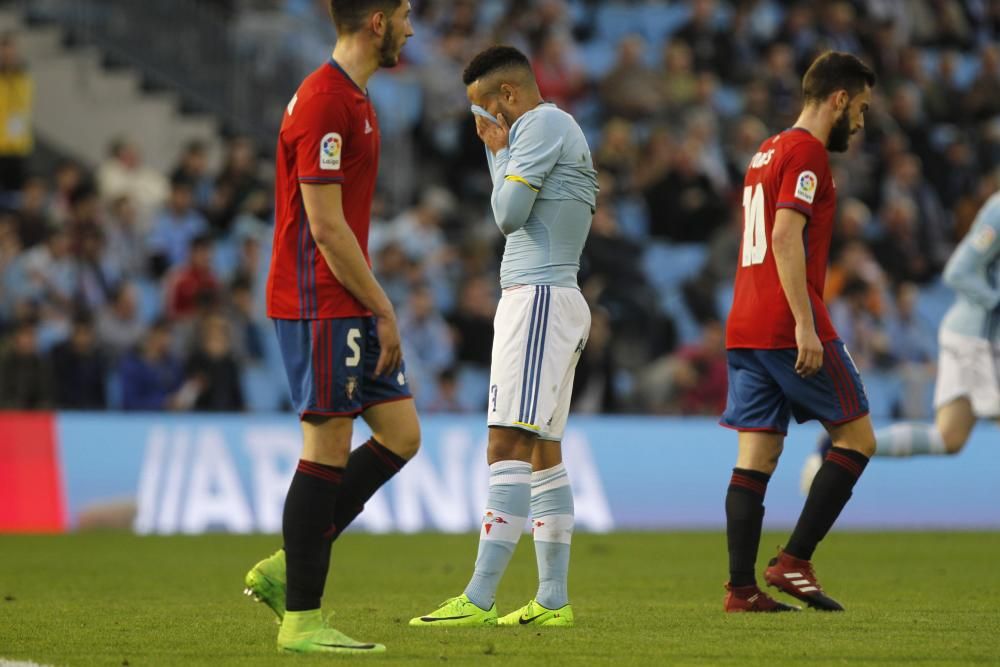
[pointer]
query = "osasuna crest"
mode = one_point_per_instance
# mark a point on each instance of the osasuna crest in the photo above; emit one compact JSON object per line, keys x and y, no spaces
{"x":350,"y":387}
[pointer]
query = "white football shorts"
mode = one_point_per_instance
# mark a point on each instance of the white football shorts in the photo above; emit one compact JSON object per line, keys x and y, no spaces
{"x":969,"y":367}
{"x":539,"y":333}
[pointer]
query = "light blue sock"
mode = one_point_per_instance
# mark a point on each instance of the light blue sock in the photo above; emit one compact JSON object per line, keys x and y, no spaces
{"x":503,"y":522}
{"x":909,"y":439}
{"x":552,"y":527}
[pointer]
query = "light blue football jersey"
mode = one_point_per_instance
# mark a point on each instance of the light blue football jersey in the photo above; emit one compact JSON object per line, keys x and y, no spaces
{"x":973,"y":271}
{"x":548,"y":153}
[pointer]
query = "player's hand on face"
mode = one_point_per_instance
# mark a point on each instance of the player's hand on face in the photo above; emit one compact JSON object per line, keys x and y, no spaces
{"x":391,"y":357}
{"x":810,"y":358}
{"x":494,"y":136}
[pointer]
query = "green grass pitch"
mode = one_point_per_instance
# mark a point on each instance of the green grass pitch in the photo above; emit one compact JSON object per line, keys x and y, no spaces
{"x":640,"y":599}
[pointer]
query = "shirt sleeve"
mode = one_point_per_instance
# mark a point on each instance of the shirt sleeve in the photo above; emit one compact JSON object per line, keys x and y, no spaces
{"x":534,"y":151}
{"x":322,"y":124}
{"x":966,"y":270}
{"x":799,"y":176}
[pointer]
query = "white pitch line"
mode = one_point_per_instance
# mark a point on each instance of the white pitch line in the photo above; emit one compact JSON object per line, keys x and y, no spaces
{"x":4,"y":662}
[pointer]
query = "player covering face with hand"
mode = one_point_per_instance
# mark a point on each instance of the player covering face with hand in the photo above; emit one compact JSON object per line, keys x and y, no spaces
{"x":785,"y":357}
{"x":544,"y":193}
{"x":335,"y":325}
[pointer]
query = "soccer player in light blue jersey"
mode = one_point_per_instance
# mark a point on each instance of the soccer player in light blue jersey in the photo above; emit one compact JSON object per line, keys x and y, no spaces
{"x":968,"y":381}
{"x":544,"y":194}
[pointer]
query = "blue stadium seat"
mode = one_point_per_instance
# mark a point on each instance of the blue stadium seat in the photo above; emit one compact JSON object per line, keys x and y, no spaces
{"x":598,"y":57}
{"x":669,"y":264}
{"x":883,"y":391}
{"x":260,"y":390}
{"x":724,"y":300}
{"x":659,"y":21}
{"x":616,"y":20}
{"x":672,"y":302}
{"x":473,"y":387}
{"x":150,"y":295}
{"x":934,"y":301}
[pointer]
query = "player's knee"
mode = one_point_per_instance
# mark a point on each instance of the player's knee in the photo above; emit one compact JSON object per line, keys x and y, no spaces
{"x":403,"y":442}
{"x":954,"y":441}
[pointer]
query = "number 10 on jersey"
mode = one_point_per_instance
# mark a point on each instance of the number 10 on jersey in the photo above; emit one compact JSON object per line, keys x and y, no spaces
{"x":754,"y":229}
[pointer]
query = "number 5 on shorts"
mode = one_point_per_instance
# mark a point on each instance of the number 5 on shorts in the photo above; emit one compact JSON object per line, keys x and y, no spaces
{"x":353,"y":335}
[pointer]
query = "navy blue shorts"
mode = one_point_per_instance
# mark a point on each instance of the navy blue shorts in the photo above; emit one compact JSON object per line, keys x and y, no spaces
{"x":331,"y":365}
{"x":765,"y":391}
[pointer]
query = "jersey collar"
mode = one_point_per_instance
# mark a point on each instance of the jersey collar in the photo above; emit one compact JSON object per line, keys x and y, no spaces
{"x":335,"y":65}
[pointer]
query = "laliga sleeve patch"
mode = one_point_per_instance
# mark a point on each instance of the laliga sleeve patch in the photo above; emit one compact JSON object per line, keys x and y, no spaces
{"x":329,"y":151}
{"x":805,"y":187}
{"x":983,"y":239}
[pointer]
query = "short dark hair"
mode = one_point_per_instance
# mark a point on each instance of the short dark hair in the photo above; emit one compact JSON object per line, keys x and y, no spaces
{"x":833,"y":71}
{"x":493,"y":59}
{"x":350,"y":15}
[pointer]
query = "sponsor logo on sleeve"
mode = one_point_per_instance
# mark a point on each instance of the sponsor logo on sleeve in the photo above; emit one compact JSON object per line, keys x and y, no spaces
{"x":329,"y":151}
{"x":805,"y":188}
{"x":984,"y":238}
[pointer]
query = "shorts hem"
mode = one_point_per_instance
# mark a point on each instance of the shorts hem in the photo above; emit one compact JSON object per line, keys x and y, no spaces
{"x":847,"y":420}
{"x":329,"y":413}
{"x":753,"y":429}
{"x":385,"y":400}
{"x":519,"y":427}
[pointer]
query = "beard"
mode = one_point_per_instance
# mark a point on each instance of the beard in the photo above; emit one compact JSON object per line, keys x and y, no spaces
{"x":840,"y":134}
{"x":388,"y":52}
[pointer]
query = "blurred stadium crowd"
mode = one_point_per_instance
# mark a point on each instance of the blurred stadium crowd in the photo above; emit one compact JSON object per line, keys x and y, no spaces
{"x":125,"y":288}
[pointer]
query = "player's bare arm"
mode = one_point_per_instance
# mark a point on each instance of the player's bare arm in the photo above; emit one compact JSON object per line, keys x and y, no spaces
{"x":790,"y":258}
{"x":342,"y":253}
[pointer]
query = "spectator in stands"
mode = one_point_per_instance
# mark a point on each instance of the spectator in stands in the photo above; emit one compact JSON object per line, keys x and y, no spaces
{"x":193,"y":168}
{"x":236,"y":181}
{"x":428,"y":339}
{"x":472,"y":322}
{"x":10,"y":251}
{"x":560,"y":77}
{"x":47,"y":273}
{"x":446,"y":393}
{"x":982,"y":101}
{"x":631,"y":89}
{"x":152,"y":379}
{"x":123,"y":173}
{"x":701,"y":375}
{"x":394,"y":271}
{"x":34,"y":217}
{"x":119,"y":327}
{"x":247,"y":334}
{"x":80,"y":367}
{"x":859,"y":328}
{"x":679,"y":81}
{"x":68,"y":177}
{"x":214,"y":370}
{"x":16,"y":106}
{"x":594,"y":383}
{"x":418,"y":231}
{"x":95,"y":270}
{"x":26,"y":381}
{"x":186,"y":284}
{"x":125,"y":239}
{"x":933,"y":225}
{"x":683,"y":205}
{"x":618,"y":153}
{"x":709,"y":44}
{"x":176,"y":226}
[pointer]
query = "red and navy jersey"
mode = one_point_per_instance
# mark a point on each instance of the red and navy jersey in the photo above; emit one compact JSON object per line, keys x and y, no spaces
{"x":329,"y":134}
{"x":790,"y":170}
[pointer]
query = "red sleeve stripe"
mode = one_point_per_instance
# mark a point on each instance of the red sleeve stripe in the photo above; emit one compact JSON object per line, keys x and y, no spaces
{"x":321,"y":179}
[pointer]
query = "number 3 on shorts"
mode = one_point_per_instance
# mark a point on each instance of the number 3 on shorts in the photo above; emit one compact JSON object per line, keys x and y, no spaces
{"x":353,"y":335}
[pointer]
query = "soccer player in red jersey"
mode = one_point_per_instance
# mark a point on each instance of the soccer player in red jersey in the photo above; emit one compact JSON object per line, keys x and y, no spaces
{"x":336,"y":327}
{"x":785,"y":358}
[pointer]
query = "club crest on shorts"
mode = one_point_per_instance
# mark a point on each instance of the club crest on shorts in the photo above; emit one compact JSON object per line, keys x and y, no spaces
{"x":350,"y":387}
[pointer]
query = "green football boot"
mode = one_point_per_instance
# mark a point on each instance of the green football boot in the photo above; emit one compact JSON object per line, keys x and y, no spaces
{"x":265,"y":582}
{"x":535,"y":614}
{"x":307,"y":632}
{"x":458,"y":612}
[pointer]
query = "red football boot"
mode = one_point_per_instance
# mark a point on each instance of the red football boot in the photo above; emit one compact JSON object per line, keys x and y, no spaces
{"x":796,"y":577}
{"x":751,"y":598}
